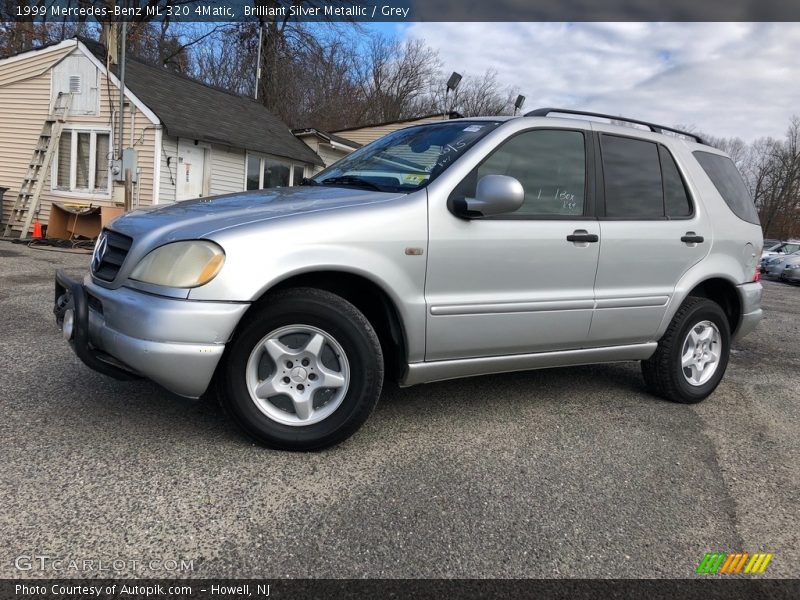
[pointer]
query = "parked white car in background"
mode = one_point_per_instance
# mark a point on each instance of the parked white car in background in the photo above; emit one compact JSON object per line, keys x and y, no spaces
{"x":788,"y":247}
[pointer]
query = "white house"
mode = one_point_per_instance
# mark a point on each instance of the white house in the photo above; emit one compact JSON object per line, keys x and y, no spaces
{"x":190,"y":139}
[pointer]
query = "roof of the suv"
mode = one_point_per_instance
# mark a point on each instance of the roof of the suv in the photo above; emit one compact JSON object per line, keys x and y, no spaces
{"x":617,"y":123}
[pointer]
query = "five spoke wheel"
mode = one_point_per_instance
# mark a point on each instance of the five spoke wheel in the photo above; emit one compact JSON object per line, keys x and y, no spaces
{"x":701,"y":353}
{"x":298,"y":375}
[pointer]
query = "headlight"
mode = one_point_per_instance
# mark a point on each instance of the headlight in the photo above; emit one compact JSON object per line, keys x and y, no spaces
{"x":181,"y":264}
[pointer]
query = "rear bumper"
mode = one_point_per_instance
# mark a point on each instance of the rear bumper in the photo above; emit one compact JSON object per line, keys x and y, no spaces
{"x":750,"y":302}
{"x":127,"y":334}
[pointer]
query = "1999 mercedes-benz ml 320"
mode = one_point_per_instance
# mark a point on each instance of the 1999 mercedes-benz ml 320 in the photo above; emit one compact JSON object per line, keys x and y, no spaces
{"x":445,"y":250}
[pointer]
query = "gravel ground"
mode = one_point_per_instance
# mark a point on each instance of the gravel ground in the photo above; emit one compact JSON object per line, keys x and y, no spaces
{"x":560,"y":473}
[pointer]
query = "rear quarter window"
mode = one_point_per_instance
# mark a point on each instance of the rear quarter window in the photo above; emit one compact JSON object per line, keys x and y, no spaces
{"x":730,"y":185}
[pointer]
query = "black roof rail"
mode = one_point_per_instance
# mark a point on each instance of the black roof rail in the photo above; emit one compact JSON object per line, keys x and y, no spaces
{"x":543,"y":112}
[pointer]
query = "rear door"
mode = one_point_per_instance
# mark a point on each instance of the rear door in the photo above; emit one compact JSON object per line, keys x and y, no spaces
{"x":652,"y":232}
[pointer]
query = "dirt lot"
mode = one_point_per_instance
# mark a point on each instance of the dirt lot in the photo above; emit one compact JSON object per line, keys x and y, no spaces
{"x":561,"y":473}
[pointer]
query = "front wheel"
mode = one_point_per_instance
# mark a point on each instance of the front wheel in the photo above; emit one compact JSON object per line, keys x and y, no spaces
{"x":692,"y":355}
{"x":304,"y":373}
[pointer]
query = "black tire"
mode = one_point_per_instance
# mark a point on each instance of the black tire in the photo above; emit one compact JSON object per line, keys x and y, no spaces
{"x":337,"y":317}
{"x":662,"y":372}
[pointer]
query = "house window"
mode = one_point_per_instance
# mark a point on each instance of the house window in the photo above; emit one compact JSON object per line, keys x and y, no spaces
{"x":82,"y":162}
{"x":265,"y":172}
{"x":276,"y":174}
{"x":298,"y":174}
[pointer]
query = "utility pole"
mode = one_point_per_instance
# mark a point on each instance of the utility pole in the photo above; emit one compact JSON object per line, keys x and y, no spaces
{"x":121,"y":116}
{"x":258,"y":60}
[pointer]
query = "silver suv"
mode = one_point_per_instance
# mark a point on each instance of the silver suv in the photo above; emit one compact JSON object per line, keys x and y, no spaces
{"x":446,"y":250}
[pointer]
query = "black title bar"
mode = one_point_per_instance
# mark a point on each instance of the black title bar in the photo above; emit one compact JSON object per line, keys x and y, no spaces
{"x":401,"y":10}
{"x":434,"y":589}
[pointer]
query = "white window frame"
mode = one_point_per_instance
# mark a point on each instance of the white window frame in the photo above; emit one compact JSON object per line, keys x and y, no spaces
{"x":261,"y":158}
{"x":73,"y":191}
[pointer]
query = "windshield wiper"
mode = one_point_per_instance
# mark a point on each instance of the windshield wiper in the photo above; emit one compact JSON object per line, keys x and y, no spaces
{"x":351,"y":180}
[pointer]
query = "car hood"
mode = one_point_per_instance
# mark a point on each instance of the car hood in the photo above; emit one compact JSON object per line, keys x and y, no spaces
{"x":191,"y":219}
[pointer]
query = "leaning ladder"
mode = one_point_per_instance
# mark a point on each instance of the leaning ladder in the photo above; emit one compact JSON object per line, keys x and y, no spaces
{"x":26,"y":206}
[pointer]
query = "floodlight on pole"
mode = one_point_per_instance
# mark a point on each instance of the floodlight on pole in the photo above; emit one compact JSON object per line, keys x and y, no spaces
{"x":519,"y":103}
{"x":452,"y":84}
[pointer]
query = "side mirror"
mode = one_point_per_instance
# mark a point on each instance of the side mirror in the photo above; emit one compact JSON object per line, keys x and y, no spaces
{"x":495,"y":195}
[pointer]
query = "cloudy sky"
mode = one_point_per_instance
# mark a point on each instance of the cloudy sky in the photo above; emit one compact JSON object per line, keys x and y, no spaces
{"x":727,"y":79}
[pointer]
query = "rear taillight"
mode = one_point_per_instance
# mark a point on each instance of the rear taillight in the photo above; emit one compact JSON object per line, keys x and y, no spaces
{"x":757,"y":274}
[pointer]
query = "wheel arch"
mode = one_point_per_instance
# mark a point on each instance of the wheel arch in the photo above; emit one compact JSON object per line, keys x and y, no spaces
{"x":365,"y":294}
{"x":723,"y":292}
{"x":718,"y":288}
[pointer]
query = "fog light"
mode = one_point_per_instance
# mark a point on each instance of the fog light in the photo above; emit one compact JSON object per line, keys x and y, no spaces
{"x":68,"y":326}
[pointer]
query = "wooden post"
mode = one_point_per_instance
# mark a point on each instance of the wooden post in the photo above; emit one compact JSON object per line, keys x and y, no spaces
{"x":128,"y":191}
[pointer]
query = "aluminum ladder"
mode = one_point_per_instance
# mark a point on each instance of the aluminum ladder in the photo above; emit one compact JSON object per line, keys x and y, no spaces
{"x":26,"y":206}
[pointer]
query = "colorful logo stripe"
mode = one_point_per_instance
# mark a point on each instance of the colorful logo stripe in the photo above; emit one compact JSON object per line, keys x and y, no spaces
{"x":723,"y":563}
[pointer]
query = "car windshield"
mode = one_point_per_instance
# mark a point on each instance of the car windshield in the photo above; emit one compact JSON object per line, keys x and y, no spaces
{"x":406,"y":160}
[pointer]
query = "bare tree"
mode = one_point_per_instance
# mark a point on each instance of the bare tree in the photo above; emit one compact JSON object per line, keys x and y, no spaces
{"x":775,"y":173}
{"x":395,"y":78}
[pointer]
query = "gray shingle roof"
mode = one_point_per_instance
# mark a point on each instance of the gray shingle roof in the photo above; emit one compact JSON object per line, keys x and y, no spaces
{"x":190,"y":109}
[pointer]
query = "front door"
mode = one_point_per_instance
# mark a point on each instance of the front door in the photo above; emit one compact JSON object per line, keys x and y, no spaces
{"x":191,"y":169}
{"x":515,"y":284}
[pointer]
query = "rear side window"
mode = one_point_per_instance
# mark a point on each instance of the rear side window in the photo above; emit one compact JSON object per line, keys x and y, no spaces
{"x":730,"y":185}
{"x":632,"y":173}
{"x":642,"y":180}
{"x":676,"y":200}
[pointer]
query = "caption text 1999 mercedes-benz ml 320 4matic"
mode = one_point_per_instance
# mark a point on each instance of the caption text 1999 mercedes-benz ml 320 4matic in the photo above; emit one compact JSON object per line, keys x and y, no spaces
{"x":446,"y":250}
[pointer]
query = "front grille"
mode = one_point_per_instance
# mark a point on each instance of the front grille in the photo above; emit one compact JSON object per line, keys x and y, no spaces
{"x":110,"y":252}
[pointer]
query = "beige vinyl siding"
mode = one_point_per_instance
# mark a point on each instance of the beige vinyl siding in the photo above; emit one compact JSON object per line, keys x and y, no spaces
{"x":329,"y":154}
{"x":325,"y":151}
{"x":21,"y":68}
{"x":169,"y":161}
{"x":24,"y":106}
{"x":227,"y":170}
{"x":365,"y":135}
{"x":226,"y":173}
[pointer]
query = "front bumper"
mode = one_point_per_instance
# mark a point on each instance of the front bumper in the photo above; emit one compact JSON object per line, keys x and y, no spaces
{"x":750,"y":302}
{"x":128,"y":334}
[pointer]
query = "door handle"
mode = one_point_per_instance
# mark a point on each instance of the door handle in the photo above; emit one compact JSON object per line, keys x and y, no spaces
{"x":692,"y":238}
{"x":581,"y":235}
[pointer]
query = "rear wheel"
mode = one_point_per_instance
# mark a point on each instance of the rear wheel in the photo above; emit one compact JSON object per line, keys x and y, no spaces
{"x":692,"y":355}
{"x":304,"y":373}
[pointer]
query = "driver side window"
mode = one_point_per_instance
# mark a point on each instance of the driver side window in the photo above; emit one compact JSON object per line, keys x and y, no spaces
{"x":549,"y":163}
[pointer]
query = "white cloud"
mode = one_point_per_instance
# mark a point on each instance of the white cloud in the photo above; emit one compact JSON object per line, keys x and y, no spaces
{"x":727,"y":79}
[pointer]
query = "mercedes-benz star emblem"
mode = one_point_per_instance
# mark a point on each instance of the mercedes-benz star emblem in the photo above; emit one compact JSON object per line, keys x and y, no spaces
{"x":99,"y":251}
